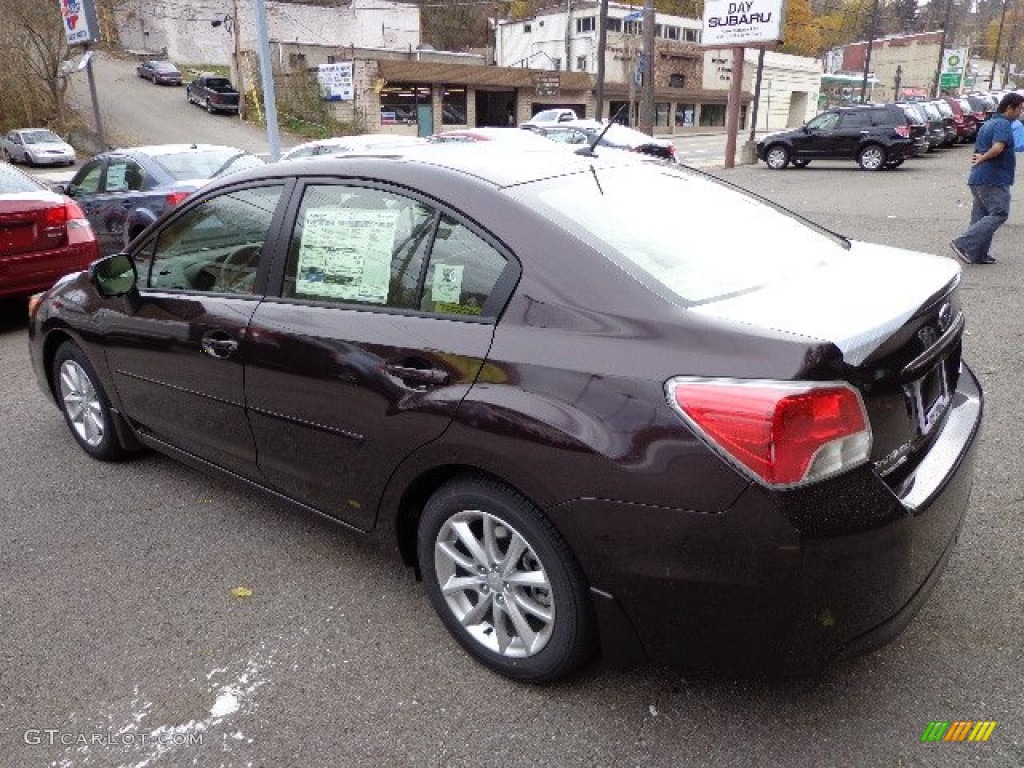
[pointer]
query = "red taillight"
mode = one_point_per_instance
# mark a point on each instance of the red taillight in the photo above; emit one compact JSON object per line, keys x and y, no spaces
{"x":173,"y":198}
{"x":903,"y":130}
{"x":781,"y":433}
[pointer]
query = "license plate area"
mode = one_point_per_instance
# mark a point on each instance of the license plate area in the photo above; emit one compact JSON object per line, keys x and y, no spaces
{"x":929,"y":396}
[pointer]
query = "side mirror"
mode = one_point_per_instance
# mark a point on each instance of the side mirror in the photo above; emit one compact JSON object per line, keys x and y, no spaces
{"x":60,"y":189}
{"x":114,"y":275}
{"x":805,"y":129}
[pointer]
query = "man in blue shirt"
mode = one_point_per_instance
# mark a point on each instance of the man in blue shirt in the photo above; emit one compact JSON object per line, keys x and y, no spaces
{"x":992,"y":168}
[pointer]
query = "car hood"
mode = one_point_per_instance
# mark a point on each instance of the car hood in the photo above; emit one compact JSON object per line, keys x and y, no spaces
{"x":881,"y":289}
{"x":49,"y":146}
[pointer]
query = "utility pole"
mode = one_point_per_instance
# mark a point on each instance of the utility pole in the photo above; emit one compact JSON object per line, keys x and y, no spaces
{"x":568,"y":35}
{"x":267,"y":76}
{"x":942,"y":50}
{"x":237,"y":58}
{"x":645,"y":120}
{"x":867,"y":58}
{"x":602,"y":42}
{"x":995,"y":55}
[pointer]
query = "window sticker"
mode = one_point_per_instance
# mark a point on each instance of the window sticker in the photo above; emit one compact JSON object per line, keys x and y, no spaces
{"x":115,"y":177}
{"x":447,"y":285}
{"x":346,"y":254}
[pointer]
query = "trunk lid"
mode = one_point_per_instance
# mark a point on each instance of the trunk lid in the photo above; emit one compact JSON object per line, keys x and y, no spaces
{"x":900,"y":337}
{"x":28,"y":223}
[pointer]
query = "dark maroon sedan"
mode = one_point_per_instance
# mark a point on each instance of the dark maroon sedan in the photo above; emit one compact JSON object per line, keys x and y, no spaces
{"x":43,"y":235}
{"x":750,"y":446}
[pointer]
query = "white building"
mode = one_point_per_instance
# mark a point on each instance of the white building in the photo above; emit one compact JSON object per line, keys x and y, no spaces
{"x":790,"y":85}
{"x":184,"y":31}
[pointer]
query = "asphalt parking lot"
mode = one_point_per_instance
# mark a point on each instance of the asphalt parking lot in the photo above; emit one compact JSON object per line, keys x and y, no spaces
{"x":126,"y":641}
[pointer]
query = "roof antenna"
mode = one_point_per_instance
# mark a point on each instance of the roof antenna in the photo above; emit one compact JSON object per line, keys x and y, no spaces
{"x":588,"y":151}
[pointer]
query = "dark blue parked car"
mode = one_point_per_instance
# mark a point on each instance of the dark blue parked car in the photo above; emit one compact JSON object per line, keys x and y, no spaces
{"x":124,"y":190}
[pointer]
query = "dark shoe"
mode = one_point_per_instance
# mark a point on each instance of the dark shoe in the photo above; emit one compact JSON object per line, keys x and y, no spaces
{"x":961,"y":254}
{"x":987,"y":260}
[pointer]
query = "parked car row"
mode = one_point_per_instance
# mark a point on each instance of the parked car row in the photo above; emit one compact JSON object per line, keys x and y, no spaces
{"x":877,"y":136}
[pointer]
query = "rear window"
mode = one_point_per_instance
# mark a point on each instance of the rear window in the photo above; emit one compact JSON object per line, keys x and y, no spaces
{"x":696,"y":237}
{"x":13,"y":181}
{"x":217,"y":82}
{"x":206,"y":164}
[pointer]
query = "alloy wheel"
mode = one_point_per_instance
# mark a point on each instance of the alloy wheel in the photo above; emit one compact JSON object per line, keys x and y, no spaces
{"x":494,"y":584}
{"x":777,"y":158}
{"x":81,"y":403}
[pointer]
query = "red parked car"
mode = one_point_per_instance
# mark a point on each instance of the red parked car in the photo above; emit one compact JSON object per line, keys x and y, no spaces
{"x":43,"y":235}
{"x":965,"y":121}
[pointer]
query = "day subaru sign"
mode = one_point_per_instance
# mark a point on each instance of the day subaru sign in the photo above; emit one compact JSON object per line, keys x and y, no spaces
{"x":80,"y":23}
{"x":742,"y":22}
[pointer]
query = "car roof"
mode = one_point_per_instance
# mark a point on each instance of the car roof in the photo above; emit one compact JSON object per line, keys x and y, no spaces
{"x":514,"y":164}
{"x":157,"y":150}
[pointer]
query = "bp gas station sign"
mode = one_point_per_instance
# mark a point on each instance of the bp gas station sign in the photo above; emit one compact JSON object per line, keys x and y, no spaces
{"x":954,"y":61}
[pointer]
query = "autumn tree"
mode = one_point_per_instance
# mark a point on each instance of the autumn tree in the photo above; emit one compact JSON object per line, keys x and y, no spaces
{"x":801,"y":35}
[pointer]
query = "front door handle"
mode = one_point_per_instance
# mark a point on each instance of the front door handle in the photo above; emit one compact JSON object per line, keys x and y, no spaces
{"x":218,"y":344}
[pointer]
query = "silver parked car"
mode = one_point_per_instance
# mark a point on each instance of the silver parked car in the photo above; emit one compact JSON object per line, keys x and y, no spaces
{"x":36,"y":146}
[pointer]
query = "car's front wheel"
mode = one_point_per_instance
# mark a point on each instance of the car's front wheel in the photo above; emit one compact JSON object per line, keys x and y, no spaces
{"x":209,"y":107}
{"x":776,"y":157}
{"x":872,"y":157}
{"x":84,"y":403}
{"x":504,"y":582}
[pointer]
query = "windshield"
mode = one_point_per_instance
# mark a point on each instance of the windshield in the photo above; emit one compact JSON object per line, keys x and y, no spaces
{"x":41,"y":137}
{"x":206,"y":164}
{"x":698,"y":238}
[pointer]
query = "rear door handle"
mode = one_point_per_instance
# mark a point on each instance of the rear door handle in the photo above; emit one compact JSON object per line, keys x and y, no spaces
{"x":418,"y":377}
{"x":218,"y":344}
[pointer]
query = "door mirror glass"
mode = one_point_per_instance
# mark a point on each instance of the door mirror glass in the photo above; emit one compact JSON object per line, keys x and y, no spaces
{"x":114,"y":275}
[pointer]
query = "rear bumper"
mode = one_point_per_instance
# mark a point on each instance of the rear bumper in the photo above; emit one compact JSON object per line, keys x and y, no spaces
{"x":28,"y":273}
{"x":746,"y":590}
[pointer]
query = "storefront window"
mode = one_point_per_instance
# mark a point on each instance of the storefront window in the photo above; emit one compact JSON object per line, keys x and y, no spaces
{"x":453,"y":106}
{"x":684,"y":115}
{"x":399,"y":102}
{"x":712,"y":115}
{"x":661,"y":114}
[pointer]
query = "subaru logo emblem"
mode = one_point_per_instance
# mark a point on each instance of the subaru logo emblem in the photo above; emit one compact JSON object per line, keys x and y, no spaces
{"x":945,"y":317}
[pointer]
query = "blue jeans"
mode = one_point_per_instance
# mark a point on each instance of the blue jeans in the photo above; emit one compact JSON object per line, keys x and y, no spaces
{"x":991,"y":208}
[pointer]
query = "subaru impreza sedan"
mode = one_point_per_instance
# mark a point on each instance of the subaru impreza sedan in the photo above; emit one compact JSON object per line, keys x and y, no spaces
{"x":751,"y":448}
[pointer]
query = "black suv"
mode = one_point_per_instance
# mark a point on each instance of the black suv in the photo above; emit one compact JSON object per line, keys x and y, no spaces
{"x":877,"y":136}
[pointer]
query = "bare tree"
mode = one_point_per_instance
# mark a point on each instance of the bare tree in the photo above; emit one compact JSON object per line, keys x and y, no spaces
{"x":32,"y":47}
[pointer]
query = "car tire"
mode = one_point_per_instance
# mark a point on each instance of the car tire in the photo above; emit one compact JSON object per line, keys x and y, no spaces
{"x":801,"y":163}
{"x":84,"y":403}
{"x":7,"y":156}
{"x":872,"y":157}
{"x":209,"y":107}
{"x":504,"y":582}
{"x":776,"y":157}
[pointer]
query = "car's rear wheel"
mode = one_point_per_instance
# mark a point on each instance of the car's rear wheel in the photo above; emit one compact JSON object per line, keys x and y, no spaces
{"x":776,"y":157}
{"x":504,"y":582}
{"x":84,"y":404}
{"x":872,"y":157}
{"x":801,"y":163}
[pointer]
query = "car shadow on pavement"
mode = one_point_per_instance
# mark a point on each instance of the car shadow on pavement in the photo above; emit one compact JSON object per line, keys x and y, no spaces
{"x":13,"y":315}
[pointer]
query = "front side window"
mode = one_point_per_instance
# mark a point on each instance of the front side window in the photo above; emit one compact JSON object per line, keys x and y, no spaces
{"x":87,"y":181}
{"x":213,"y":247}
{"x":825,"y":122}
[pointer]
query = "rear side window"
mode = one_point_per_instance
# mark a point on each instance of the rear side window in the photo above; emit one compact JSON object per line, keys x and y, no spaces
{"x":858,"y":118}
{"x":360,"y":245}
